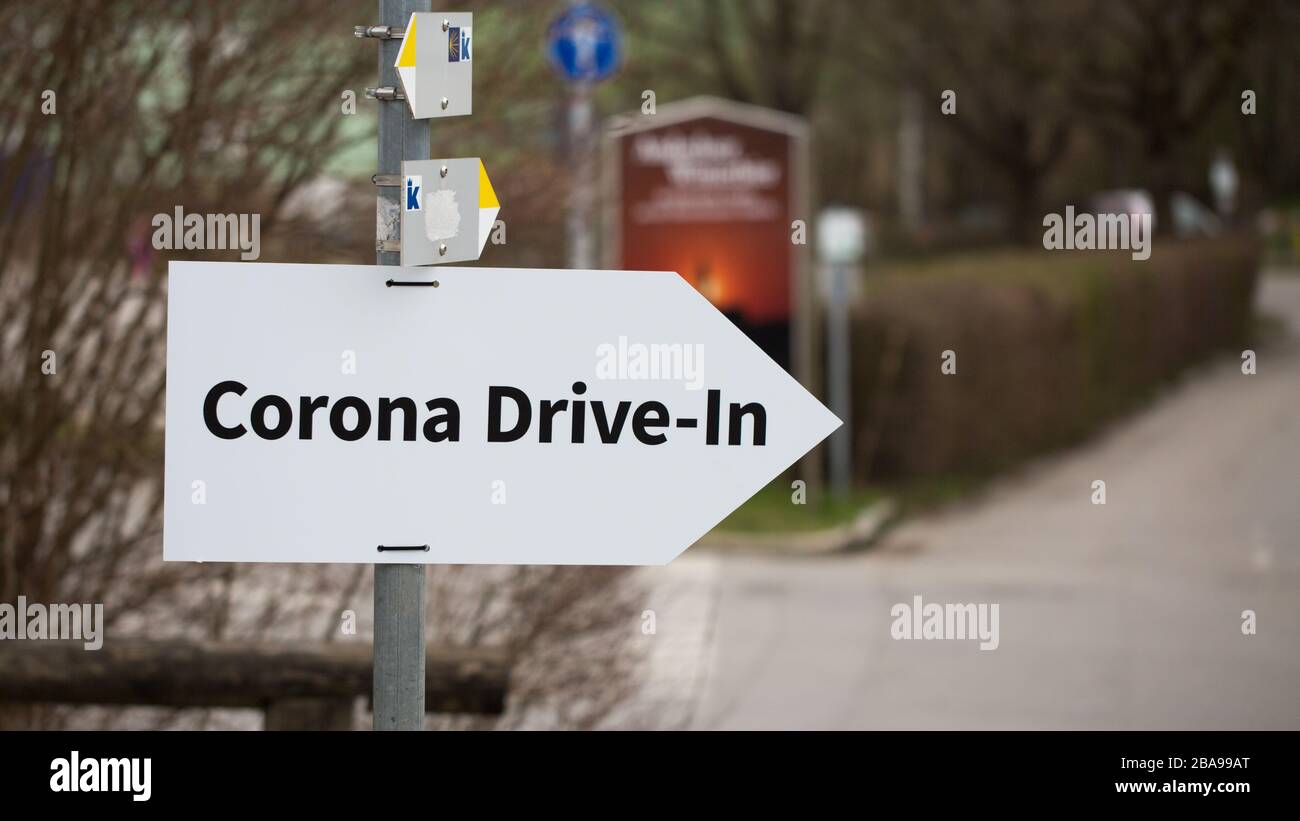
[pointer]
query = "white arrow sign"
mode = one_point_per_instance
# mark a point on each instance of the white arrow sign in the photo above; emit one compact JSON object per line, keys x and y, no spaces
{"x":318,"y":413}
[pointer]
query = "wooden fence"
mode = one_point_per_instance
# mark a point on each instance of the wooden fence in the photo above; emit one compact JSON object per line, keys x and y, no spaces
{"x":299,"y":686}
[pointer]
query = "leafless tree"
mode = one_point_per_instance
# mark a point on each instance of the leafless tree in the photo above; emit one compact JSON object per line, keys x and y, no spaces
{"x":228,"y":107}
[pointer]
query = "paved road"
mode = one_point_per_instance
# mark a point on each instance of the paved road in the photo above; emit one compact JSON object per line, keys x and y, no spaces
{"x":1127,"y":615}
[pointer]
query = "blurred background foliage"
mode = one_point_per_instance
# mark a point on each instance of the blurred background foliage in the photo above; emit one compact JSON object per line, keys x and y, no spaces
{"x":1050,"y":347}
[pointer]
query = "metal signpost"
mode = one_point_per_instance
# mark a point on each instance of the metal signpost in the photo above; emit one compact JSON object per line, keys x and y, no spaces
{"x":841,"y":242}
{"x":436,"y":85}
{"x":585,"y":46}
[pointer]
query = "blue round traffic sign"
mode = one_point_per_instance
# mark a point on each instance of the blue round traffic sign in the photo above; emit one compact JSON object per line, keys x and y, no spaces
{"x":585,"y":44}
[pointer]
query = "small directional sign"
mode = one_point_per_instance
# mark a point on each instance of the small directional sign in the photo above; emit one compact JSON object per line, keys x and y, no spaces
{"x":340,"y":413}
{"x":448,"y":209}
{"x":435,"y":64}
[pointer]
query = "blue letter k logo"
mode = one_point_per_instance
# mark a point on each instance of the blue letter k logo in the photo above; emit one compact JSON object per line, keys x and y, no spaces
{"x":412,"y":195}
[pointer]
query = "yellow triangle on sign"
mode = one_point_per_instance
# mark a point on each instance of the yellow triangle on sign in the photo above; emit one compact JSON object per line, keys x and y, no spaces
{"x":487,"y":198}
{"x":406,"y":58}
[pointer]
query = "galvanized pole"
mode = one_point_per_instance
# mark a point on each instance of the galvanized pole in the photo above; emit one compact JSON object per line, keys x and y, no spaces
{"x":580,"y":244}
{"x":399,"y":588}
{"x":579,"y":229}
{"x":839,"y":378}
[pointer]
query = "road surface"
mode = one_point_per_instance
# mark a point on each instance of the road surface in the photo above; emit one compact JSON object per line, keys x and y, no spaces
{"x":1115,"y":616}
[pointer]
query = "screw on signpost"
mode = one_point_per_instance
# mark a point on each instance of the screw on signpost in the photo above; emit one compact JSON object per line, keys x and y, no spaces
{"x":399,"y":588}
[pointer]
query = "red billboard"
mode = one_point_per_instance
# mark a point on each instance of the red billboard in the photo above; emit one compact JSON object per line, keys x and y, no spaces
{"x":710,"y":188}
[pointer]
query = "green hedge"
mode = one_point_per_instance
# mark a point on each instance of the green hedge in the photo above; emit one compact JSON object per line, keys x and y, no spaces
{"x":1049,"y":345}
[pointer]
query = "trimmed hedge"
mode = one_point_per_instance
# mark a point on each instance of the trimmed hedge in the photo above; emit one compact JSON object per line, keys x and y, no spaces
{"x":1049,"y":345}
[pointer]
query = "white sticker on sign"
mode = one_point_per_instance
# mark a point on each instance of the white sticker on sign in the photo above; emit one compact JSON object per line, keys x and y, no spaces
{"x":442,"y":217}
